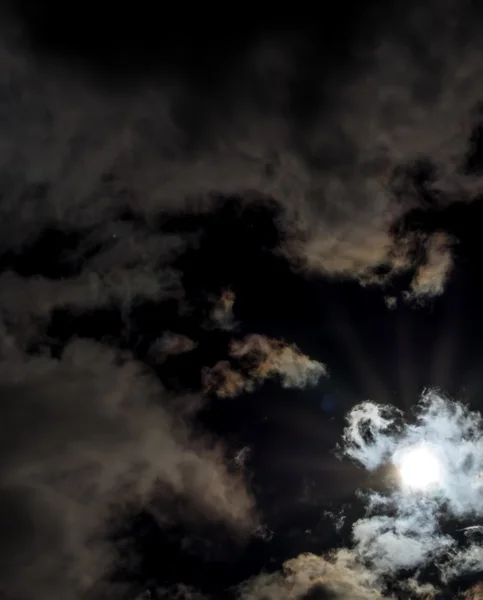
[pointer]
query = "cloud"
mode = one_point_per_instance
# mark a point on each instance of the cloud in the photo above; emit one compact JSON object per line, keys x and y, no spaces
{"x":431,"y":275}
{"x":91,"y":430}
{"x":474,"y":593}
{"x":75,"y":154}
{"x":467,"y":560}
{"x":407,"y":541}
{"x":315,"y":577}
{"x":391,"y":302}
{"x":225,"y":382}
{"x":261,"y":358}
{"x":402,"y":528}
{"x":177,"y":592}
{"x":171,"y":344}
{"x":401,"y":532}
{"x":39,"y":296}
{"x":83,"y":439}
{"x":265,"y":357}
{"x":221,"y":316}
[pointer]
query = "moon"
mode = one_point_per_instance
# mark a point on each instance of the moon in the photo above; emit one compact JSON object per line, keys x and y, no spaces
{"x":419,"y":468}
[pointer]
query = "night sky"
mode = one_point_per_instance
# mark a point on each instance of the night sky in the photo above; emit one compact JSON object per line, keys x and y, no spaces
{"x":220,"y":231}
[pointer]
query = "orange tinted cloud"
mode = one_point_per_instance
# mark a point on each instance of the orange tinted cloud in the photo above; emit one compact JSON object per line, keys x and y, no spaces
{"x":171,"y":344}
{"x":260,"y":358}
{"x":223,"y":381}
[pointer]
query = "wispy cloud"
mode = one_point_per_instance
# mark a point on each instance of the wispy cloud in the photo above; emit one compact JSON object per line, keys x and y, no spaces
{"x":261,"y":358}
{"x":401,"y":532}
{"x":474,"y":593}
{"x":335,"y":576}
{"x":84,"y":438}
{"x":402,"y":528}
{"x":90,"y":430}
{"x":171,"y":344}
{"x":221,"y":315}
{"x":225,"y":382}
{"x":75,"y":155}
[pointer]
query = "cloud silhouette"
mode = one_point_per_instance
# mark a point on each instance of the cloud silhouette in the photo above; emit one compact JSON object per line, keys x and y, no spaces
{"x":76,"y":154}
{"x":83,"y":439}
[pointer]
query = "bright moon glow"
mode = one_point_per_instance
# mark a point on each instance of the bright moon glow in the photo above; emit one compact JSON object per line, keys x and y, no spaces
{"x":419,"y":468}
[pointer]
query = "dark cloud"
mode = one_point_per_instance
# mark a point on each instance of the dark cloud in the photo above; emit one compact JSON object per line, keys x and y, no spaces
{"x":74,"y":154}
{"x":83,"y":438}
{"x":177,"y":592}
{"x":88,"y":433}
{"x":221,"y":315}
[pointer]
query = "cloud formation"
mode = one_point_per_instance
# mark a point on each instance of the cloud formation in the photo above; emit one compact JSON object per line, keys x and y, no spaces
{"x":474,"y":593}
{"x":83,"y":439}
{"x":177,"y":592}
{"x":225,"y":382}
{"x":309,"y":576}
{"x":433,"y":271}
{"x":221,"y":315}
{"x":402,"y":529}
{"x":89,"y":430}
{"x":76,"y":155}
{"x":171,"y":344}
{"x":260,"y":358}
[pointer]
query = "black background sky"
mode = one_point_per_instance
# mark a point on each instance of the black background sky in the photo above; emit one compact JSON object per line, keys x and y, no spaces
{"x":371,"y":351}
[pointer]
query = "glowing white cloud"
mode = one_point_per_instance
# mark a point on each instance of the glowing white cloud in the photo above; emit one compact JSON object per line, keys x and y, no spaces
{"x":438,"y":460}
